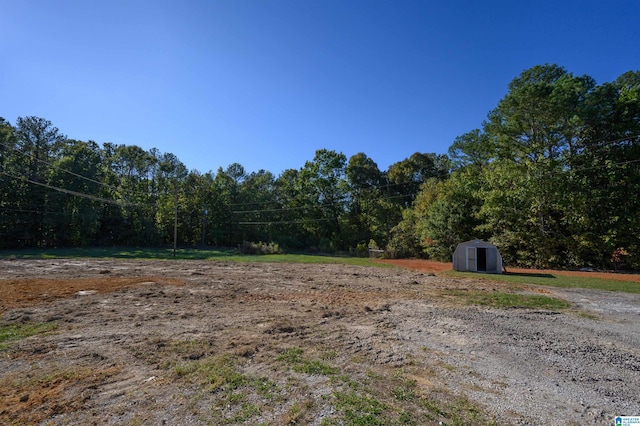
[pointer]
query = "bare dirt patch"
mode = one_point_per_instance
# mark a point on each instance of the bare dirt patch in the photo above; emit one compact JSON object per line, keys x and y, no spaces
{"x":20,"y":293}
{"x":433,"y":266}
{"x":194,"y":342}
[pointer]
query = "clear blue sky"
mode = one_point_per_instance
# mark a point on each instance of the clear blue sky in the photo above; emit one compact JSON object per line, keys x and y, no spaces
{"x":265,"y":83}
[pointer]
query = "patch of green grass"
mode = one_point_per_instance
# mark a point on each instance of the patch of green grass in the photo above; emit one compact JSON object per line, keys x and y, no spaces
{"x":215,"y":373}
{"x":12,"y":332}
{"x":405,"y":390}
{"x":360,"y":409}
{"x":300,"y":364}
{"x":234,"y":393}
{"x":554,"y":280}
{"x":457,"y":411}
{"x":265,"y":387}
{"x":246,"y":412}
{"x":504,"y":300}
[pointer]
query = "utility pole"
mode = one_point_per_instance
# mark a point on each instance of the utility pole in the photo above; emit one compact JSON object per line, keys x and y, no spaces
{"x":175,"y":222}
{"x":204,"y":223}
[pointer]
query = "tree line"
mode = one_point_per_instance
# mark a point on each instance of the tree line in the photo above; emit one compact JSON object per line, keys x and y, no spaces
{"x":551,"y":177}
{"x":58,"y":192}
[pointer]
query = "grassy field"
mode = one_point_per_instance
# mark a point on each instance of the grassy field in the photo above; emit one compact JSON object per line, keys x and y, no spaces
{"x":555,"y":280}
{"x":227,"y":254}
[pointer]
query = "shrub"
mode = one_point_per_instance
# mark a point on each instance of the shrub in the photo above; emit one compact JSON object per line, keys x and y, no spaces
{"x":259,"y":248}
{"x":362,"y":250}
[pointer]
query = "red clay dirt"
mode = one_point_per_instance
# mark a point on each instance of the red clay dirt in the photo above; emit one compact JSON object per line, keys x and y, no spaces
{"x":423,"y":265}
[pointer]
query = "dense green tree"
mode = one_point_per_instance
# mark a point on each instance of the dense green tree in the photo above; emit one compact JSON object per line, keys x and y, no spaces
{"x":406,"y":176}
{"x":258,"y":207}
{"x":365,"y":191}
{"x":10,"y":189}
{"x":170,"y":194}
{"x":535,"y":127}
{"x":132,"y":168}
{"x":473,"y":149}
{"x":289,"y":217}
{"x":322,"y":187}
{"x":605,"y":173}
{"x":549,"y":178}
{"x":227,"y":189}
{"x":75,"y":217}
{"x":449,"y":213}
{"x":38,"y":143}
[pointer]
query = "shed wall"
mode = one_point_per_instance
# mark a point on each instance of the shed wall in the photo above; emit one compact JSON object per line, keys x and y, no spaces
{"x":465,"y":257}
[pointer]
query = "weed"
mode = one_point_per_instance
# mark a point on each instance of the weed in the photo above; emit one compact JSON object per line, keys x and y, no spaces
{"x":291,"y":355}
{"x":588,"y":315}
{"x":296,"y":412}
{"x":329,"y":355}
{"x":12,"y":332}
{"x":246,"y":412}
{"x":456,"y":410}
{"x":265,"y":387}
{"x":405,"y":391}
{"x":215,"y":373}
{"x":299,"y":364}
{"x":359,"y":409}
{"x":314,"y":367}
{"x":235,"y":394}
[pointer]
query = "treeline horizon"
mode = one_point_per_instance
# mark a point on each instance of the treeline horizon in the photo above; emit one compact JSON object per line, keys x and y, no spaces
{"x":551,"y":177}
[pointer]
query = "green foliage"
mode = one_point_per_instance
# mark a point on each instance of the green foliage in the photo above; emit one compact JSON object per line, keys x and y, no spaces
{"x":472,"y":150}
{"x":449,"y":213}
{"x":405,"y":239}
{"x":362,"y":250}
{"x":259,"y":248}
{"x":406,"y":176}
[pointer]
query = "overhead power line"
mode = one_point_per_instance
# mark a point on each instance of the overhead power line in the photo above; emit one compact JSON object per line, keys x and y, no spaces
{"x":602,"y":166}
{"x":268,"y":210}
{"x":106,"y":185}
{"x":287,"y":221}
{"x":68,"y":191}
{"x":614,"y":141}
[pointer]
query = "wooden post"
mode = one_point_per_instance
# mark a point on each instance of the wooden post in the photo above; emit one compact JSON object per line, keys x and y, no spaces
{"x":175,"y":222}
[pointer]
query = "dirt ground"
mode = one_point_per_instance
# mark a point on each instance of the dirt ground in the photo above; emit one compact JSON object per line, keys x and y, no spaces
{"x":201,"y":342}
{"x":431,"y":266}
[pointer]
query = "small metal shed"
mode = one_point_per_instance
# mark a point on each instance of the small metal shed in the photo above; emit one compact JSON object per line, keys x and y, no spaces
{"x":477,"y":256}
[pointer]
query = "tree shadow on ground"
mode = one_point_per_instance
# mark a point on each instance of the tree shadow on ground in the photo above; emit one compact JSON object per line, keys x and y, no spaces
{"x":528,"y":274}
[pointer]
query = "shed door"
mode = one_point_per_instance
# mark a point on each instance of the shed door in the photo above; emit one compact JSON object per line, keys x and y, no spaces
{"x":472,"y":259}
{"x":492,"y":260}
